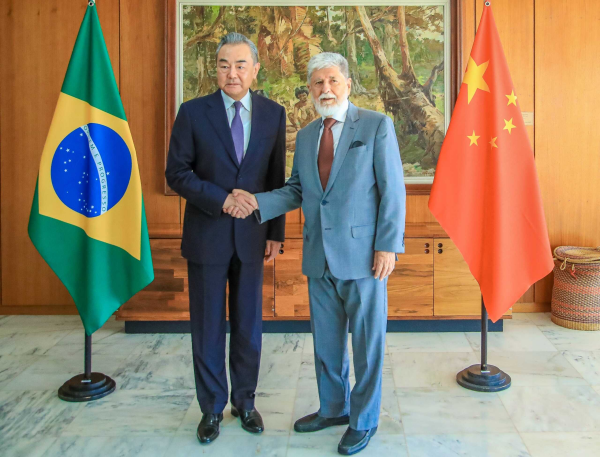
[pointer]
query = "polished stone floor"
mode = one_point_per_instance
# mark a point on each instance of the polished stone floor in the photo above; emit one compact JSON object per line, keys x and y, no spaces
{"x":552,"y":408}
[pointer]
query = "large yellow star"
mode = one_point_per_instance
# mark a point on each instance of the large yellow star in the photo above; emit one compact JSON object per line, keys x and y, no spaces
{"x":474,"y":78}
{"x":493,"y":143}
{"x":508,"y":125}
{"x":473,"y":139}
{"x":512,"y":98}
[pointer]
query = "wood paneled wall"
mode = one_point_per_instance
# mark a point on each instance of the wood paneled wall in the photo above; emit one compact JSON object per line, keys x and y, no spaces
{"x":567,"y":134}
{"x":550,"y":45}
{"x":36,"y":40}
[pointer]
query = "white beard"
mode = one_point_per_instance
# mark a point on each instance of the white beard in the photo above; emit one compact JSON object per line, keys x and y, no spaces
{"x":327,"y":111}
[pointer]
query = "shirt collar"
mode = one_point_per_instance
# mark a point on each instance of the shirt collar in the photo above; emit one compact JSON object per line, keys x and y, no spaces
{"x":341,"y":114}
{"x":246,"y":101}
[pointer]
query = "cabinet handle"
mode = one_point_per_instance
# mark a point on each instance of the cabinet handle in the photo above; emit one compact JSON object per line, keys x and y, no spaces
{"x":440,"y":251}
{"x":426,"y":245}
{"x":440,"y":245}
{"x":426,"y":251}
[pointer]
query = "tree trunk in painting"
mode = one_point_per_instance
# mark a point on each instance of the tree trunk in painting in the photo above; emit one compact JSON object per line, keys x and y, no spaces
{"x":300,"y":45}
{"x":285,"y":47}
{"x":389,"y":42}
{"x":357,"y":88}
{"x":207,"y":31}
{"x":408,"y":72}
{"x":202,"y":60}
{"x":404,"y":97}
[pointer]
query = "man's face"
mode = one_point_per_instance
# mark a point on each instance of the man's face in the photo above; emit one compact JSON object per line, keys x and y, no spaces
{"x":328,"y":90}
{"x":302,"y":97}
{"x":236,"y":70}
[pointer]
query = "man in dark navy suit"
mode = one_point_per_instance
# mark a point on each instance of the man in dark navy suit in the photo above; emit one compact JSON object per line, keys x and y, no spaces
{"x":227,"y":140}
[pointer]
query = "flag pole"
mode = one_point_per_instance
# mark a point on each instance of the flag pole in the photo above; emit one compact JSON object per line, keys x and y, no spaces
{"x":483,"y":377}
{"x":87,"y":386}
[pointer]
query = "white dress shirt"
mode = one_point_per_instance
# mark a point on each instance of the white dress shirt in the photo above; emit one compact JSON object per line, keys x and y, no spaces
{"x":337,"y":128}
{"x":245,"y":114}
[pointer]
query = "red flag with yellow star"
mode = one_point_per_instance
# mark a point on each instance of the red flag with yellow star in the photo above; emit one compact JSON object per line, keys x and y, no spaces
{"x":485,"y":193}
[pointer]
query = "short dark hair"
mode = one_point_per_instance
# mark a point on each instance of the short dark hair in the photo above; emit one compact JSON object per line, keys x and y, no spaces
{"x":300,"y":90}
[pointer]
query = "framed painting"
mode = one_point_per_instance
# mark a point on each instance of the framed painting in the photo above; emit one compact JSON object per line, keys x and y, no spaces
{"x":404,"y":60}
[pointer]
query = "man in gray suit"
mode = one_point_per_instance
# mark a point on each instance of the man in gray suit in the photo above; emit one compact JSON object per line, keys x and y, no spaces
{"x":347,"y":177}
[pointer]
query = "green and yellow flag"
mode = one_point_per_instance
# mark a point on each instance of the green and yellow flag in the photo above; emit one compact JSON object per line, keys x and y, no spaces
{"x":87,"y":219}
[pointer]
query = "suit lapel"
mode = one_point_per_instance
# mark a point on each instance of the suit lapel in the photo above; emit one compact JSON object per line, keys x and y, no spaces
{"x":343,"y":145}
{"x":218,"y":118}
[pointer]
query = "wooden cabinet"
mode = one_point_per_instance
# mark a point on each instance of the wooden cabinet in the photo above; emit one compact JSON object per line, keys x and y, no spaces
{"x":431,"y":281}
{"x":166,"y":298}
{"x":410,"y":286}
{"x":291,"y":286}
{"x":456,"y":292}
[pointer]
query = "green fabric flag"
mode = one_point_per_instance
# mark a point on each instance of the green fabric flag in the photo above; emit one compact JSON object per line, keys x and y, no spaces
{"x":87,"y":218}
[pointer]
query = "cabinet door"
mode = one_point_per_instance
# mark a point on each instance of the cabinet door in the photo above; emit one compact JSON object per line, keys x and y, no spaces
{"x":410,"y":286}
{"x":269,"y":290}
{"x":291,"y":286}
{"x":456,"y":293}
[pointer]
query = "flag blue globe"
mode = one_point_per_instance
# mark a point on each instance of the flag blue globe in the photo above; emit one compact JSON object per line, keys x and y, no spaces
{"x":91,"y":169}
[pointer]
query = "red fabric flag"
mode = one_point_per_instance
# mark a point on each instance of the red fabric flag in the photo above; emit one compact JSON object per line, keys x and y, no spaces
{"x":485,"y":193}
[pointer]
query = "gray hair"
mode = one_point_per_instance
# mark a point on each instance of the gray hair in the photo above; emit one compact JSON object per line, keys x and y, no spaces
{"x":327,"y":60}
{"x":238,"y":38}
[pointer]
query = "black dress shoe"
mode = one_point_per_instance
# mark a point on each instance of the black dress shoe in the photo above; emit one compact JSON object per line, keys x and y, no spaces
{"x":355,"y":441}
{"x":251,"y":420}
{"x":208,"y":429}
{"x":314,"y":422}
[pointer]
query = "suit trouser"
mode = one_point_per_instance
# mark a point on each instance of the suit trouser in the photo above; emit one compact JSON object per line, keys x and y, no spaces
{"x":335,"y":305}
{"x":207,"y":287}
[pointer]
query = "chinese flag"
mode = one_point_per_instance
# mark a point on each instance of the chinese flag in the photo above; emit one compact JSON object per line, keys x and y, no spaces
{"x":485,"y":193}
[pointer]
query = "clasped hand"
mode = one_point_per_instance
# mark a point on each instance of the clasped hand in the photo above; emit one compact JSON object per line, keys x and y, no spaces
{"x":240,"y":204}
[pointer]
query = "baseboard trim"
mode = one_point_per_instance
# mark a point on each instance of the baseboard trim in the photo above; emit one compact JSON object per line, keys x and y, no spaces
{"x":419,"y":326}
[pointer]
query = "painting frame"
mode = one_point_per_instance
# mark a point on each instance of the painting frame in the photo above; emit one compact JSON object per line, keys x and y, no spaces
{"x":173,"y":81}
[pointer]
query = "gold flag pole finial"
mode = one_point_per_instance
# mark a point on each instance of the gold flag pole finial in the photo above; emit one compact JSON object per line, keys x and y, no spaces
{"x":488,"y":4}
{"x":91,"y":2}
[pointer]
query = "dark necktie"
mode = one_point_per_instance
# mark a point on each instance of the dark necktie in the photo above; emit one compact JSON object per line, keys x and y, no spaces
{"x":237,"y":132}
{"x":325,"y":158}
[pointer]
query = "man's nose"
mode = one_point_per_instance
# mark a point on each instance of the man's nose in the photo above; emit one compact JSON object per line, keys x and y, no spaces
{"x":232,"y":73}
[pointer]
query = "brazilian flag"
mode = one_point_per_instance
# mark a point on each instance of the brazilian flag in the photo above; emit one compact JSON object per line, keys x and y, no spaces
{"x":87,"y":219}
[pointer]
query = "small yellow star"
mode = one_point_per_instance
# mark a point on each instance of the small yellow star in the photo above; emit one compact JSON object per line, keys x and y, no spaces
{"x":493,"y":143}
{"x":508,"y":125}
{"x":473,"y":139}
{"x":474,"y":78}
{"x":512,"y":98}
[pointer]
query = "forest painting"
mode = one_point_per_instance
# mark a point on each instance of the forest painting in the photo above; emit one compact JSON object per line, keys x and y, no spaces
{"x":396,"y":59}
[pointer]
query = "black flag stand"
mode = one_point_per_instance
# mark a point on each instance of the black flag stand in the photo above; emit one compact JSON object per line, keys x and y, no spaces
{"x":87,"y":386}
{"x":484,"y":377}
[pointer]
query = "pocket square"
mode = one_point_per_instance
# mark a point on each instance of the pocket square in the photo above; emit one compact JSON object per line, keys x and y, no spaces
{"x":356,"y":144}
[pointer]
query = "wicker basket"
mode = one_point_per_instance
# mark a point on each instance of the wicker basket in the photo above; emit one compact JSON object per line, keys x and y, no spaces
{"x":576,"y":292}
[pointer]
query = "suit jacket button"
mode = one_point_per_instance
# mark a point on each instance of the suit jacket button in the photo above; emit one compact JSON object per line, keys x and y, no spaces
{"x":324,"y":202}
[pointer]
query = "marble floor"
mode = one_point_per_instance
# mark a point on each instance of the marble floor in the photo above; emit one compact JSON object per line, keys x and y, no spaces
{"x":552,"y":408}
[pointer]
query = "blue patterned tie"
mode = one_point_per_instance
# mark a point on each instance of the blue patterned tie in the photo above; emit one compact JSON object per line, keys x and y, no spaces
{"x":237,"y":132}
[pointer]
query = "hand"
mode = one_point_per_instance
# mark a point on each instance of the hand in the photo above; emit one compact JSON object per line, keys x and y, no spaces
{"x":384,"y":264}
{"x":244,"y":200}
{"x":272,"y":250}
{"x":239,"y":206}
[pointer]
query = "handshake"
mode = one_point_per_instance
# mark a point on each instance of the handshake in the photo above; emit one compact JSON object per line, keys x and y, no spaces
{"x":240,"y":204}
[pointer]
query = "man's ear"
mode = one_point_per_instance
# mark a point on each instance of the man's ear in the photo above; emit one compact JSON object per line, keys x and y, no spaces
{"x":256,"y":68}
{"x":349,"y":85}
